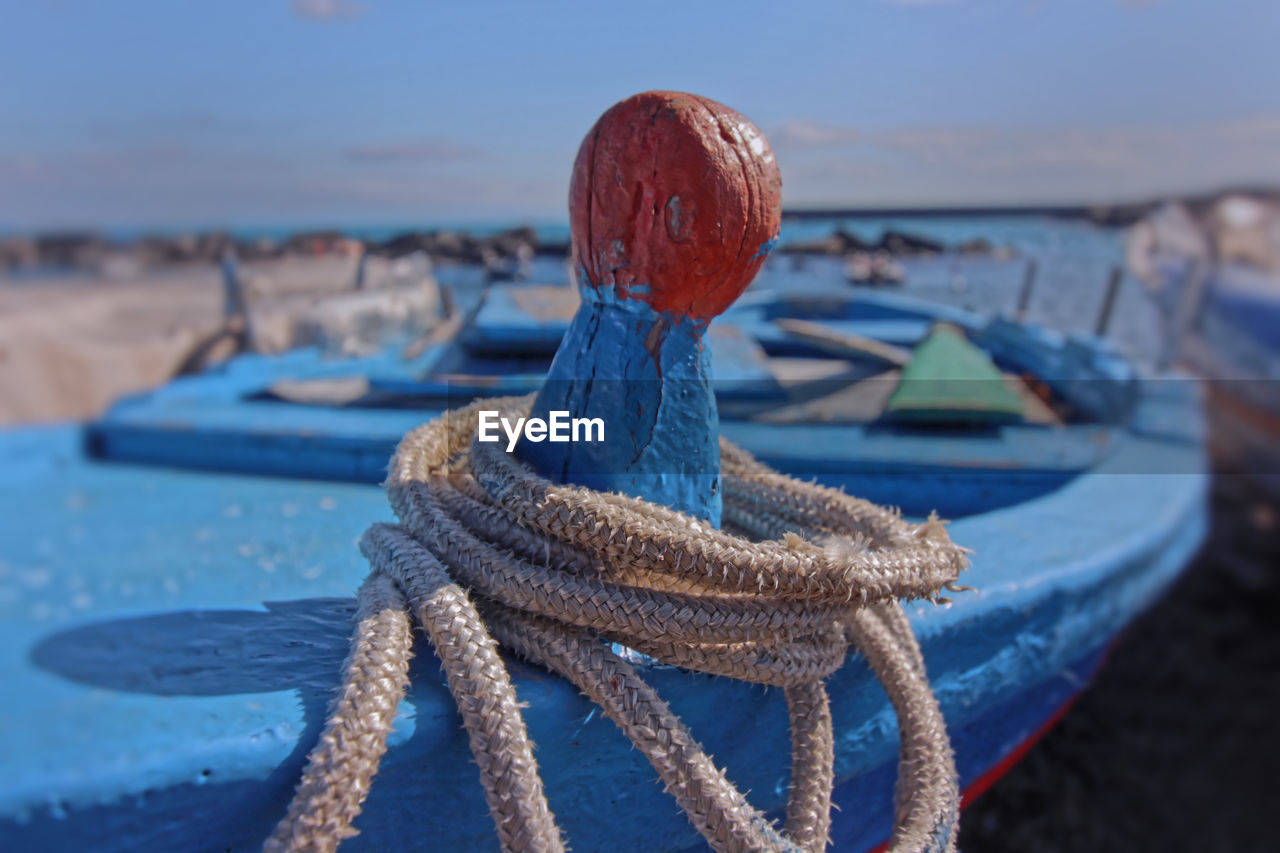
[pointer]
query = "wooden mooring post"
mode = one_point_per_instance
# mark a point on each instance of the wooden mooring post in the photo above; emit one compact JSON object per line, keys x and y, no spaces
{"x":1024,"y":293}
{"x":674,"y":203}
{"x":1109,"y":301}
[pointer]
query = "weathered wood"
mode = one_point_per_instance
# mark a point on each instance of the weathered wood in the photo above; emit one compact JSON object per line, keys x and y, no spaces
{"x":1024,"y":293}
{"x":1188,"y":311}
{"x":674,"y":203}
{"x":1109,"y":301}
{"x":843,"y":343}
{"x":233,"y":298}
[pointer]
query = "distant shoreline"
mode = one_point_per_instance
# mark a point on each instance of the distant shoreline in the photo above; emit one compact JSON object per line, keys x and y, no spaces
{"x":1108,"y":214}
{"x":1102,"y":214}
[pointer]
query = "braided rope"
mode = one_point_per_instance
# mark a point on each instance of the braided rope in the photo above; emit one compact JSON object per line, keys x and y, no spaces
{"x":487,"y":550}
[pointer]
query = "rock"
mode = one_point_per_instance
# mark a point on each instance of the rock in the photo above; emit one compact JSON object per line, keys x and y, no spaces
{"x":511,"y":243}
{"x":976,"y":246}
{"x":403,"y":244}
{"x":902,"y":243}
{"x":18,"y":253}
{"x":317,"y":243}
{"x":832,"y":245}
{"x":70,"y":250}
{"x":261,"y":249}
{"x":555,"y":250}
{"x":503,"y":253}
{"x":850,"y":242}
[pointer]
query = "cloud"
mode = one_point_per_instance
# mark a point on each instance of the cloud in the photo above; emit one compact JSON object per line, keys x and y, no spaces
{"x":173,"y":183}
{"x":1122,"y":149}
{"x":997,"y":150}
{"x":976,"y":164}
{"x":206,"y":178}
{"x":326,"y":10}
{"x":801,"y":133}
{"x":1264,"y":128}
{"x":410,"y":151}
{"x":936,"y":144}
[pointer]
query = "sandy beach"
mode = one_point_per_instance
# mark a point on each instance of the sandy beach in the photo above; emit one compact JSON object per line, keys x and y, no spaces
{"x":71,"y":344}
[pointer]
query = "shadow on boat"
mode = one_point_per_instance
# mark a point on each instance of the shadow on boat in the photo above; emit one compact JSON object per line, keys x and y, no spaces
{"x":296,"y":645}
{"x":300,"y":645}
{"x":289,"y":646}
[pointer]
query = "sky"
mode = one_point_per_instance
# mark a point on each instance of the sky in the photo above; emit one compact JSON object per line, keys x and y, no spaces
{"x":164,"y":113}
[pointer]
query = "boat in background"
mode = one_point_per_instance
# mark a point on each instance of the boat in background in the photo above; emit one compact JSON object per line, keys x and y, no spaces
{"x":342,"y":308}
{"x":1217,"y":280}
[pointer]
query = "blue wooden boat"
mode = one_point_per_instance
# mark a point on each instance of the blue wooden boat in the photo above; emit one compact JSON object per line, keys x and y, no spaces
{"x":794,"y":405}
{"x":176,"y":578}
{"x":173,"y":634}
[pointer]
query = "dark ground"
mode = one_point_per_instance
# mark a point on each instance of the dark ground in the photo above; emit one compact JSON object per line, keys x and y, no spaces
{"x":1176,"y":745}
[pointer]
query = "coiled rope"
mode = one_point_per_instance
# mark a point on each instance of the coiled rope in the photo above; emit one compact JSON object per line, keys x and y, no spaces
{"x":487,"y":552}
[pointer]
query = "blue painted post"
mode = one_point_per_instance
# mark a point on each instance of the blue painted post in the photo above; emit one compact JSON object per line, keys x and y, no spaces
{"x":674,"y":203}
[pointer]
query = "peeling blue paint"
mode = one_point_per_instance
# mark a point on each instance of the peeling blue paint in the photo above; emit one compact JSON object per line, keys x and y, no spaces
{"x":609,"y":294}
{"x":766,"y":247}
{"x":646,"y":374}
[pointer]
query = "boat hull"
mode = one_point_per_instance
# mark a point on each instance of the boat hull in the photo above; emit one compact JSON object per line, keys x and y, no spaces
{"x":177,"y":716}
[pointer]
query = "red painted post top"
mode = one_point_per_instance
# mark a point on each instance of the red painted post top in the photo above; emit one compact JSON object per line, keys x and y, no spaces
{"x":675,"y":201}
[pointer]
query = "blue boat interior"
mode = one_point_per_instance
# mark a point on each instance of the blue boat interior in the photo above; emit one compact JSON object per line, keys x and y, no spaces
{"x":814,"y":408}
